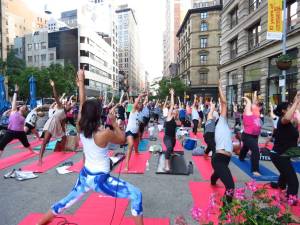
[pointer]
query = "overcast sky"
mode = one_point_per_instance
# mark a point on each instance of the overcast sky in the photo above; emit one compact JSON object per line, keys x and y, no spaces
{"x":150,"y":16}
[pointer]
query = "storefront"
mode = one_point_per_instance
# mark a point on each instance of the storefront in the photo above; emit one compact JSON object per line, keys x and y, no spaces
{"x":252,"y":76}
{"x":232,"y":90}
{"x":273,"y":90}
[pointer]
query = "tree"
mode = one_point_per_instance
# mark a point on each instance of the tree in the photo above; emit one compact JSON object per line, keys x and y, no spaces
{"x":165,"y":85}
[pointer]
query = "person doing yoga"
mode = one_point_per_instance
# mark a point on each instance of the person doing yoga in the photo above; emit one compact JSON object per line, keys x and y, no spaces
{"x":95,"y":173}
{"x":286,"y":137}
{"x":224,"y":148}
{"x":252,"y":129}
{"x":55,"y":125}
{"x":15,"y":129}
{"x":170,"y":132}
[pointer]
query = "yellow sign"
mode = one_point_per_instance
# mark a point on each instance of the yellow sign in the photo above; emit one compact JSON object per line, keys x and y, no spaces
{"x":275,"y":20}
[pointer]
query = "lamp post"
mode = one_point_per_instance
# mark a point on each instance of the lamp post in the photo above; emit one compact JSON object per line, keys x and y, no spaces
{"x":282,"y":82}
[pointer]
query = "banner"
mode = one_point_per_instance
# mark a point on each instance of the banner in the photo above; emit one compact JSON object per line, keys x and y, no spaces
{"x":275,"y":20}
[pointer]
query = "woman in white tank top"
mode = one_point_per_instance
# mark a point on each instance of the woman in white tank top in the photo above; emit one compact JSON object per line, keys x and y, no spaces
{"x":95,"y":173}
{"x":132,"y":130}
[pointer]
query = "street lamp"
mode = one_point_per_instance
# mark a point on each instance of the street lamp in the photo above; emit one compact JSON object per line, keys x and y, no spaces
{"x":282,"y":82}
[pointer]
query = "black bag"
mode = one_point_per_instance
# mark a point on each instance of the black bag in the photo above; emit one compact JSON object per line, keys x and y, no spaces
{"x":187,"y":123}
{"x":264,"y":154}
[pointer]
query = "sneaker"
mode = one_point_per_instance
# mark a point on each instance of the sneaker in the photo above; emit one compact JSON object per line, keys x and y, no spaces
{"x":10,"y":174}
{"x":255,"y":173}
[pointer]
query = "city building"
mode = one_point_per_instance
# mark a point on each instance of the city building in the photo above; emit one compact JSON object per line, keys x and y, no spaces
{"x":128,"y":43}
{"x":16,"y":20}
{"x":204,"y":3}
{"x":248,"y":60}
{"x":56,"y":25}
{"x":100,"y":17}
{"x":81,"y":47}
{"x":199,"y":50}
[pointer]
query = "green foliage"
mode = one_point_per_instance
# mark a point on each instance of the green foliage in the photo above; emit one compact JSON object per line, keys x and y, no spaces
{"x":165,"y":85}
{"x":64,"y":78}
{"x":284,"y":58}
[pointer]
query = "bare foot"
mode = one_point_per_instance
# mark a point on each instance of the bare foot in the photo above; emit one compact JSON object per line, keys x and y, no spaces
{"x":255,"y":173}
{"x":126,"y":168}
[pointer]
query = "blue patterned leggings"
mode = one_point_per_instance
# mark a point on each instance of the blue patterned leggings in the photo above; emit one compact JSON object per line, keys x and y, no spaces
{"x":101,"y":182}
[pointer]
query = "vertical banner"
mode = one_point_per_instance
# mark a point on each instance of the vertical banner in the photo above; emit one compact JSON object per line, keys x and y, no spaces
{"x":275,"y":20}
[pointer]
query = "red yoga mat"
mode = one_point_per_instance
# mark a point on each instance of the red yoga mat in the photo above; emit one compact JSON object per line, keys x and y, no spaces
{"x":147,"y":221}
{"x":33,"y":144}
{"x":201,"y":193}
{"x":33,"y":219}
{"x":269,"y":146}
{"x":15,"y":159}
{"x":137,"y":163}
{"x":49,"y":162}
{"x":203,"y":164}
{"x":99,"y":209}
{"x":198,"y":136}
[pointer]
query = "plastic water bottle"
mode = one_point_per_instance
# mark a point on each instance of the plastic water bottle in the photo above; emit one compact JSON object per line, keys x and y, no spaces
{"x":147,"y":165}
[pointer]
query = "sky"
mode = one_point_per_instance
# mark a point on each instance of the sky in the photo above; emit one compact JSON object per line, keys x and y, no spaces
{"x":150,"y":16}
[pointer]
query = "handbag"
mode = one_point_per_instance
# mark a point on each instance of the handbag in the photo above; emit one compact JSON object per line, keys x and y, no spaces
{"x":189,"y":144}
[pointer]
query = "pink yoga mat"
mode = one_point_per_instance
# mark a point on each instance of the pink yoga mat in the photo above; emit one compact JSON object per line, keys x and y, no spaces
{"x":33,"y":219}
{"x":33,"y":144}
{"x":15,"y":159}
{"x":137,"y":163}
{"x":49,"y":162}
{"x":146,"y":135}
{"x":198,"y":136}
{"x":201,"y":193}
{"x":147,"y":221}
{"x":203,"y":164}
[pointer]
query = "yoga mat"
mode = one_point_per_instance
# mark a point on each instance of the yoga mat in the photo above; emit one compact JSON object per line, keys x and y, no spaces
{"x":33,"y":144}
{"x":99,"y":209}
{"x":178,"y":165}
{"x":267,"y":175}
{"x":146,"y":135}
{"x":203,"y":164}
{"x":50,"y":146}
{"x":269,"y":146}
{"x":15,"y":159}
{"x":201,"y":192}
{"x":178,"y":146}
{"x":33,"y":219}
{"x":143,"y":145}
{"x":296,"y":165}
{"x":147,"y":221}
{"x":137,"y":163}
{"x":49,"y":162}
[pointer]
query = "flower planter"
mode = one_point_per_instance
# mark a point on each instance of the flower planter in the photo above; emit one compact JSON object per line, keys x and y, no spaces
{"x":284,"y":65}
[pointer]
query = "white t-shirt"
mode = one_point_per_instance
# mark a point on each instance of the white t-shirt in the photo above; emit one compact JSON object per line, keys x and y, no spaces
{"x":31,"y":118}
{"x":195,"y":114}
{"x":223,"y":136}
{"x":165,"y":112}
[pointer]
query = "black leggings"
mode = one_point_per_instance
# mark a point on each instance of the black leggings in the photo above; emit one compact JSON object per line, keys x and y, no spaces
{"x":11,"y":135}
{"x":156,"y":117}
{"x":170,"y":144}
{"x":209,"y":138}
{"x":220,"y":164}
{"x":287,"y":175}
{"x":195,"y":127}
{"x":250,"y":142}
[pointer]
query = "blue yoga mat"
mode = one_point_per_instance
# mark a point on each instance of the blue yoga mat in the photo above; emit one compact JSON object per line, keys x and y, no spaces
{"x":245,"y":166}
{"x":297,"y":166}
{"x":143,"y":145}
{"x":50,"y":146}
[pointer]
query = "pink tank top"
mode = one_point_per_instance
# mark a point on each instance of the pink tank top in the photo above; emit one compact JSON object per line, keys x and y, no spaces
{"x":252,"y":124}
{"x":16,"y":122}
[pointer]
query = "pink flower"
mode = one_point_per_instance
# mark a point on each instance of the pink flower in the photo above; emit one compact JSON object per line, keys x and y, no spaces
{"x":252,"y":186}
{"x":196,"y":213}
{"x":212,"y":200}
{"x":240,"y":194}
{"x":228,"y":218}
{"x":292,"y":200}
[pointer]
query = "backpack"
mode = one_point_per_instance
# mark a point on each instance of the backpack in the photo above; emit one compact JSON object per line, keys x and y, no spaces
{"x":189,"y":144}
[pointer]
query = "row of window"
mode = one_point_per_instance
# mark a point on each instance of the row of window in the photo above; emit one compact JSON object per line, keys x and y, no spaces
{"x":43,"y":57}
{"x":37,"y":46}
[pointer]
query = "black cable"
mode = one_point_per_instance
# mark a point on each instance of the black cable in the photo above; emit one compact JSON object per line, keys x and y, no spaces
{"x":115,"y":204}
{"x":64,"y":221}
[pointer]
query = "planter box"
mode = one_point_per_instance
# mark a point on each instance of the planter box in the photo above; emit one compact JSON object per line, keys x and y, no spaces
{"x":283,"y":65}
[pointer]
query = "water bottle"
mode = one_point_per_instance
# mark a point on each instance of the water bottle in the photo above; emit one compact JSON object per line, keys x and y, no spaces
{"x":147,"y":165}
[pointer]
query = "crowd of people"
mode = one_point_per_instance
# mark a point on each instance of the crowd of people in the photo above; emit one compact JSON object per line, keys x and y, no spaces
{"x":100,"y":123}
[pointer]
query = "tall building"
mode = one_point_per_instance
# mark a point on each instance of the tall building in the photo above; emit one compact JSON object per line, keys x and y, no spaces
{"x":204,"y":3}
{"x":248,"y":61}
{"x":16,"y":20}
{"x":199,"y":50}
{"x":128,"y":41}
{"x":170,"y":42}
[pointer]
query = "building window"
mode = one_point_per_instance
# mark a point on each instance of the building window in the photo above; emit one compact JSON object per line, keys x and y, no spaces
{"x":29,"y":47}
{"x":203,"y":59}
{"x":43,"y":45}
{"x":254,"y":36}
{"x":203,"y":15}
{"x":233,"y":48}
{"x":203,"y":26}
{"x":43,"y":57}
{"x":292,"y":16}
{"x":203,"y":42}
{"x":51,"y":56}
{"x":203,"y":78}
{"x":253,"y":5}
{"x":30,"y":59}
{"x":82,"y":39}
{"x":234,"y":17}
{"x":84,"y":53}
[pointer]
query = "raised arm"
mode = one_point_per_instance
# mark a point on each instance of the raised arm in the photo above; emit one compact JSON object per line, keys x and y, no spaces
{"x":179,"y":102}
{"x":171,"y":105}
{"x":247,"y":111}
{"x":273,"y":116}
{"x":14,"y":101}
{"x":223,"y":101}
{"x":112,"y":100}
{"x":82,"y":97}
{"x":195,"y":100}
{"x":157,"y":103}
{"x":145,"y":100}
{"x":137,"y":100}
{"x":166,"y":101}
{"x":121,"y":98}
{"x":62,"y":97}
{"x":211,"y":110}
{"x":57,"y":100}
{"x":254,"y":98}
{"x":289,"y":114}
